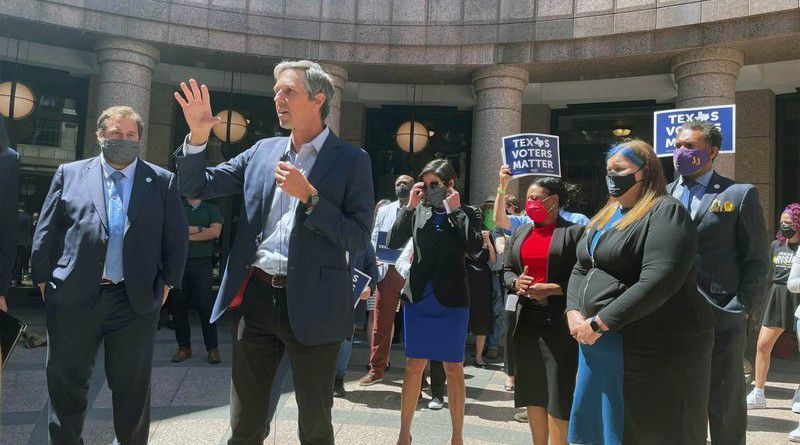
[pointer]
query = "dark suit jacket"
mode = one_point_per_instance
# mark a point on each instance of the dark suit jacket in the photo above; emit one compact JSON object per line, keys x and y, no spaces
{"x":319,"y":279}
{"x":69,"y":245}
{"x":561,"y":259}
{"x":439,"y":257}
{"x":9,"y":201}
{"x":732,"y":257}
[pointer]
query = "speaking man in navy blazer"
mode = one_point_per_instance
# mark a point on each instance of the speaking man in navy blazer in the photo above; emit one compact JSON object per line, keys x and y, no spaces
{"x":732,"y":263}
{"x":307,"y":210}
{"x":111,"y":240}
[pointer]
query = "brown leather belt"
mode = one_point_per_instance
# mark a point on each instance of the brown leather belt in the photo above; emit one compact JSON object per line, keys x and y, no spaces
{"x":107,"y":282}
{"x":276,"y":281}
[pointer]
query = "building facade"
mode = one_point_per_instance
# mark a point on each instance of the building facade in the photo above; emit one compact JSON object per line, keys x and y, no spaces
{"x":469,"y":71}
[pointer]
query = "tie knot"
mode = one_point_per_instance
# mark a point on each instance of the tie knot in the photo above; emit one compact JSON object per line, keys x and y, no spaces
{"x":689,"y":183}
{"x":117,"y":176}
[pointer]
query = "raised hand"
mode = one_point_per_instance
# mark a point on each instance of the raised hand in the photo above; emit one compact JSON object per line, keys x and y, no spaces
{"x":196,"y":105}
{"x":417,"y":193}
{"x":504,"y":176}
{"x":453,"y":199}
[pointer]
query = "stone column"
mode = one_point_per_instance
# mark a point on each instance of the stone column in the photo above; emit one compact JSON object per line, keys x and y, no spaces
{"x":707,"y":77}
{"x":126,"y":68}
{"x":498,"y":112}
{"x":339,"y":76}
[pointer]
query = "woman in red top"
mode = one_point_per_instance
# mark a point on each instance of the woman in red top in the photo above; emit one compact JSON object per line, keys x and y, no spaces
{"x":537,"y":269}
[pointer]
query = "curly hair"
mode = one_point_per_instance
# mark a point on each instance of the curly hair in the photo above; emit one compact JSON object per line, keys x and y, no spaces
{"x":793,"y":210}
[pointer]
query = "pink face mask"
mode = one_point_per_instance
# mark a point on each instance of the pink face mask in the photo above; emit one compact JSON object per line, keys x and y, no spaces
{"x":536,"y":210}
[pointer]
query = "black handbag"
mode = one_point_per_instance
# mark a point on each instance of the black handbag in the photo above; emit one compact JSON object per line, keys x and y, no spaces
{"x":598,"y":289}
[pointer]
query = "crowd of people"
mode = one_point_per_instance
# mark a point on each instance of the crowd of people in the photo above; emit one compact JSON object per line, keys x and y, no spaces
{"x":628,"y":326}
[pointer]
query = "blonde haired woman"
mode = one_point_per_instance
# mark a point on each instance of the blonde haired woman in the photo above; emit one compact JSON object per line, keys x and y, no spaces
{"x":645,"y":333}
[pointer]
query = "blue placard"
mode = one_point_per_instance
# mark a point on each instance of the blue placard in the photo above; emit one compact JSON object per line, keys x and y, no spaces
{"x":383,"y":253}
{"x":360,"y":281}
{"x":532,"y":154}
{"x":667,"y":126}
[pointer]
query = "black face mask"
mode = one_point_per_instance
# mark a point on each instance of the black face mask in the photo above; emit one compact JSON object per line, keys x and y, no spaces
{"x":618,"y":185}
{"x":402,"y":191}
{"x":788,"y":231}
{"x":435,"y":196}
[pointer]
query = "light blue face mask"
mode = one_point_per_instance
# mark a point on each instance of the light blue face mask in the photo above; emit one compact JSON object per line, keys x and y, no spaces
{"x":119,"y":151}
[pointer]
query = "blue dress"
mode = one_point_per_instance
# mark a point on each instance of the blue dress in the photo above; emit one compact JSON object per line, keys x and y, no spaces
{"x":433,"y":331}
{"x":598,"y":409}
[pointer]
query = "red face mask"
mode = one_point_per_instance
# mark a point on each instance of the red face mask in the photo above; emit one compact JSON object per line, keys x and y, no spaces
{"x":536,"y":210}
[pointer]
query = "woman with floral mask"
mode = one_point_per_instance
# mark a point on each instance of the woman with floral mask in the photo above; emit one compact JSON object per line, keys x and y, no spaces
{"x":781,"y":304}
{"x":537,"y":269}
{"x":436,"y":313}
{"x":645,"y":333}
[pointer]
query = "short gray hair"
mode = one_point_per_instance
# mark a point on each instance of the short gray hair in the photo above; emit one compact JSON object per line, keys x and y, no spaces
{"x":711,"y":133}
{"x":316,"y":80}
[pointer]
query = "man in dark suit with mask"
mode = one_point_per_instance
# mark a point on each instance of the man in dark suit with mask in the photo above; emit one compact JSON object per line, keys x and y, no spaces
{"x":731,"y":267}
{"x":111,"y":241}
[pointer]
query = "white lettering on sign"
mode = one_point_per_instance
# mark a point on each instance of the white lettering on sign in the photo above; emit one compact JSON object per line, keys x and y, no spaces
{"x":532,"y":163}
{"x":531,"y":142}
{"x":532,"y":152}
{"x":682,"y":118}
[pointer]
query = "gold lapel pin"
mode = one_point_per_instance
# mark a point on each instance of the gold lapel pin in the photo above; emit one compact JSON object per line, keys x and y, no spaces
{"x":716,"y":206}
{"x":729,"y":206}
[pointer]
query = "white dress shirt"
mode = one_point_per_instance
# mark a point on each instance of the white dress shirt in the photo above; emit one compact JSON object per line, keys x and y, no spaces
{"x":273,"y":252}
{"x":384,"y":221}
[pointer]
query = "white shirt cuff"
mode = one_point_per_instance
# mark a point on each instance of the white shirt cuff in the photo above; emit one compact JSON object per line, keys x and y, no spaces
{"x":189,"y":149}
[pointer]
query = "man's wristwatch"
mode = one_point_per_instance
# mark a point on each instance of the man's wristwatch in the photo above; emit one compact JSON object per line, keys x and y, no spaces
{"x":312,"y":201}
{"x":595,"y":326}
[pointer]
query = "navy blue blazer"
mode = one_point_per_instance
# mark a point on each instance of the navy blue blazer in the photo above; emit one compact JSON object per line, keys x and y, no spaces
{"x":319,"y":277}
{"x":9,"y":201}
{"x":69,"y":245}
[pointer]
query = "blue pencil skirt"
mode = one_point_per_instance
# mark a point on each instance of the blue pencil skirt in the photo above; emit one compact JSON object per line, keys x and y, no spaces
{"x":433,"y":331}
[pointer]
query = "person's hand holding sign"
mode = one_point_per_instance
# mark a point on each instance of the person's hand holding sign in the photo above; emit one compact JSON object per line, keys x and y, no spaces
{"x":365,"y":293}
{"x":505,"y":176}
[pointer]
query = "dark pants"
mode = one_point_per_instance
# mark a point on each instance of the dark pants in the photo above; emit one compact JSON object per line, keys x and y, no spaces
{"x":508,"y":351}
{"x":196,"y":287}
{"x":727,"y":406}
{"x":74,"y":336}
{"x":438,"y":380}
{"x":262,"y":337}
{"x":21,"y":263}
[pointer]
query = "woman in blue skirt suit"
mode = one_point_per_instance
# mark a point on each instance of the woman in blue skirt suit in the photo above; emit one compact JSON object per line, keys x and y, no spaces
{"x":436,"y":312}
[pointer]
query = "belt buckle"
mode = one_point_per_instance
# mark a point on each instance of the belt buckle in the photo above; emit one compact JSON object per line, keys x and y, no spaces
{"x":274,"y":282}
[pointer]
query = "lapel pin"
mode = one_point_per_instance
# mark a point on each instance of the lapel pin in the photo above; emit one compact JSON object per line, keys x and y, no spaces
{"x":149,"y":179}
{"x":716,"y":206}
{"x":716,"y":186}
{"x":729,"y":206}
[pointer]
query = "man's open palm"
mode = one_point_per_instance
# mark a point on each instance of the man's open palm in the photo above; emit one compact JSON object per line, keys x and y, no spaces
{"x":196,"y":105}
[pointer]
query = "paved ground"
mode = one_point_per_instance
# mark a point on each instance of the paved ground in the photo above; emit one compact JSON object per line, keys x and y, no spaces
{"x":190,"y":402}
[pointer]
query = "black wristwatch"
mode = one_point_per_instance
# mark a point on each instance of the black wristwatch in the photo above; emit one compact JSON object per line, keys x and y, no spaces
{"x":312,"y":201}
{"x":595,"y":325}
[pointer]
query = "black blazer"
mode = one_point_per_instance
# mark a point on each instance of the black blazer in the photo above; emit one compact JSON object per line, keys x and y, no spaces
{"x":561,"y":259}
{"x":439,"y":257}
{"x":654,"y":259}
{"x":9,"y":184}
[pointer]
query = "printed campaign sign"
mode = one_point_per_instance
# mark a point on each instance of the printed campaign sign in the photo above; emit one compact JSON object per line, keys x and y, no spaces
{"x":667,"y":126}
{"x":360,"y":282}
{"x":532,"y":154}
{"x":383,"y":253}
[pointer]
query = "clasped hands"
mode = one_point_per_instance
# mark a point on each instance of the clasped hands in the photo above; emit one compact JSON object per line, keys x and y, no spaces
{"x":581,"y":329}
{"x":536,"y":291}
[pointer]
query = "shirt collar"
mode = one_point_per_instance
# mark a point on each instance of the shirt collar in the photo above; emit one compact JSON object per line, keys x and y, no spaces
{"x":317,"y":142}
{"x":703,"y":180}
{"x":127,"y":171}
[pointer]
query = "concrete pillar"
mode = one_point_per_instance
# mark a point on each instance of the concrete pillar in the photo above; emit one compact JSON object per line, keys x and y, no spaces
{"x":126,"y":69}
{"x":339,"y":76}
{"x":707,"y":77}
{"x":353,"y":127}
{"x":498,"y":112}
{"x":162,"y":121}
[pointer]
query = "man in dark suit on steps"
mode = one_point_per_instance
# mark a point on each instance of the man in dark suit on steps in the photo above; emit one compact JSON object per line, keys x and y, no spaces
{"x":111,"y":240}
{"x":732,"y":263}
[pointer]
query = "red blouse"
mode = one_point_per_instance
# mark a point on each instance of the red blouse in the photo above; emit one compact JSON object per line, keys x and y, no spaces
{"x":534,"y":252}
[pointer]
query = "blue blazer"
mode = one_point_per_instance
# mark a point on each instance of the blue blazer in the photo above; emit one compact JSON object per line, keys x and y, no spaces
{"x":9,"y":200}
{"x":319,"y":277}
{"x":69,"y":245}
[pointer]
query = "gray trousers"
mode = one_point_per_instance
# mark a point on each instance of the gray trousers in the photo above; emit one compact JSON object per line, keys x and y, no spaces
{"x":74,"y":337}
